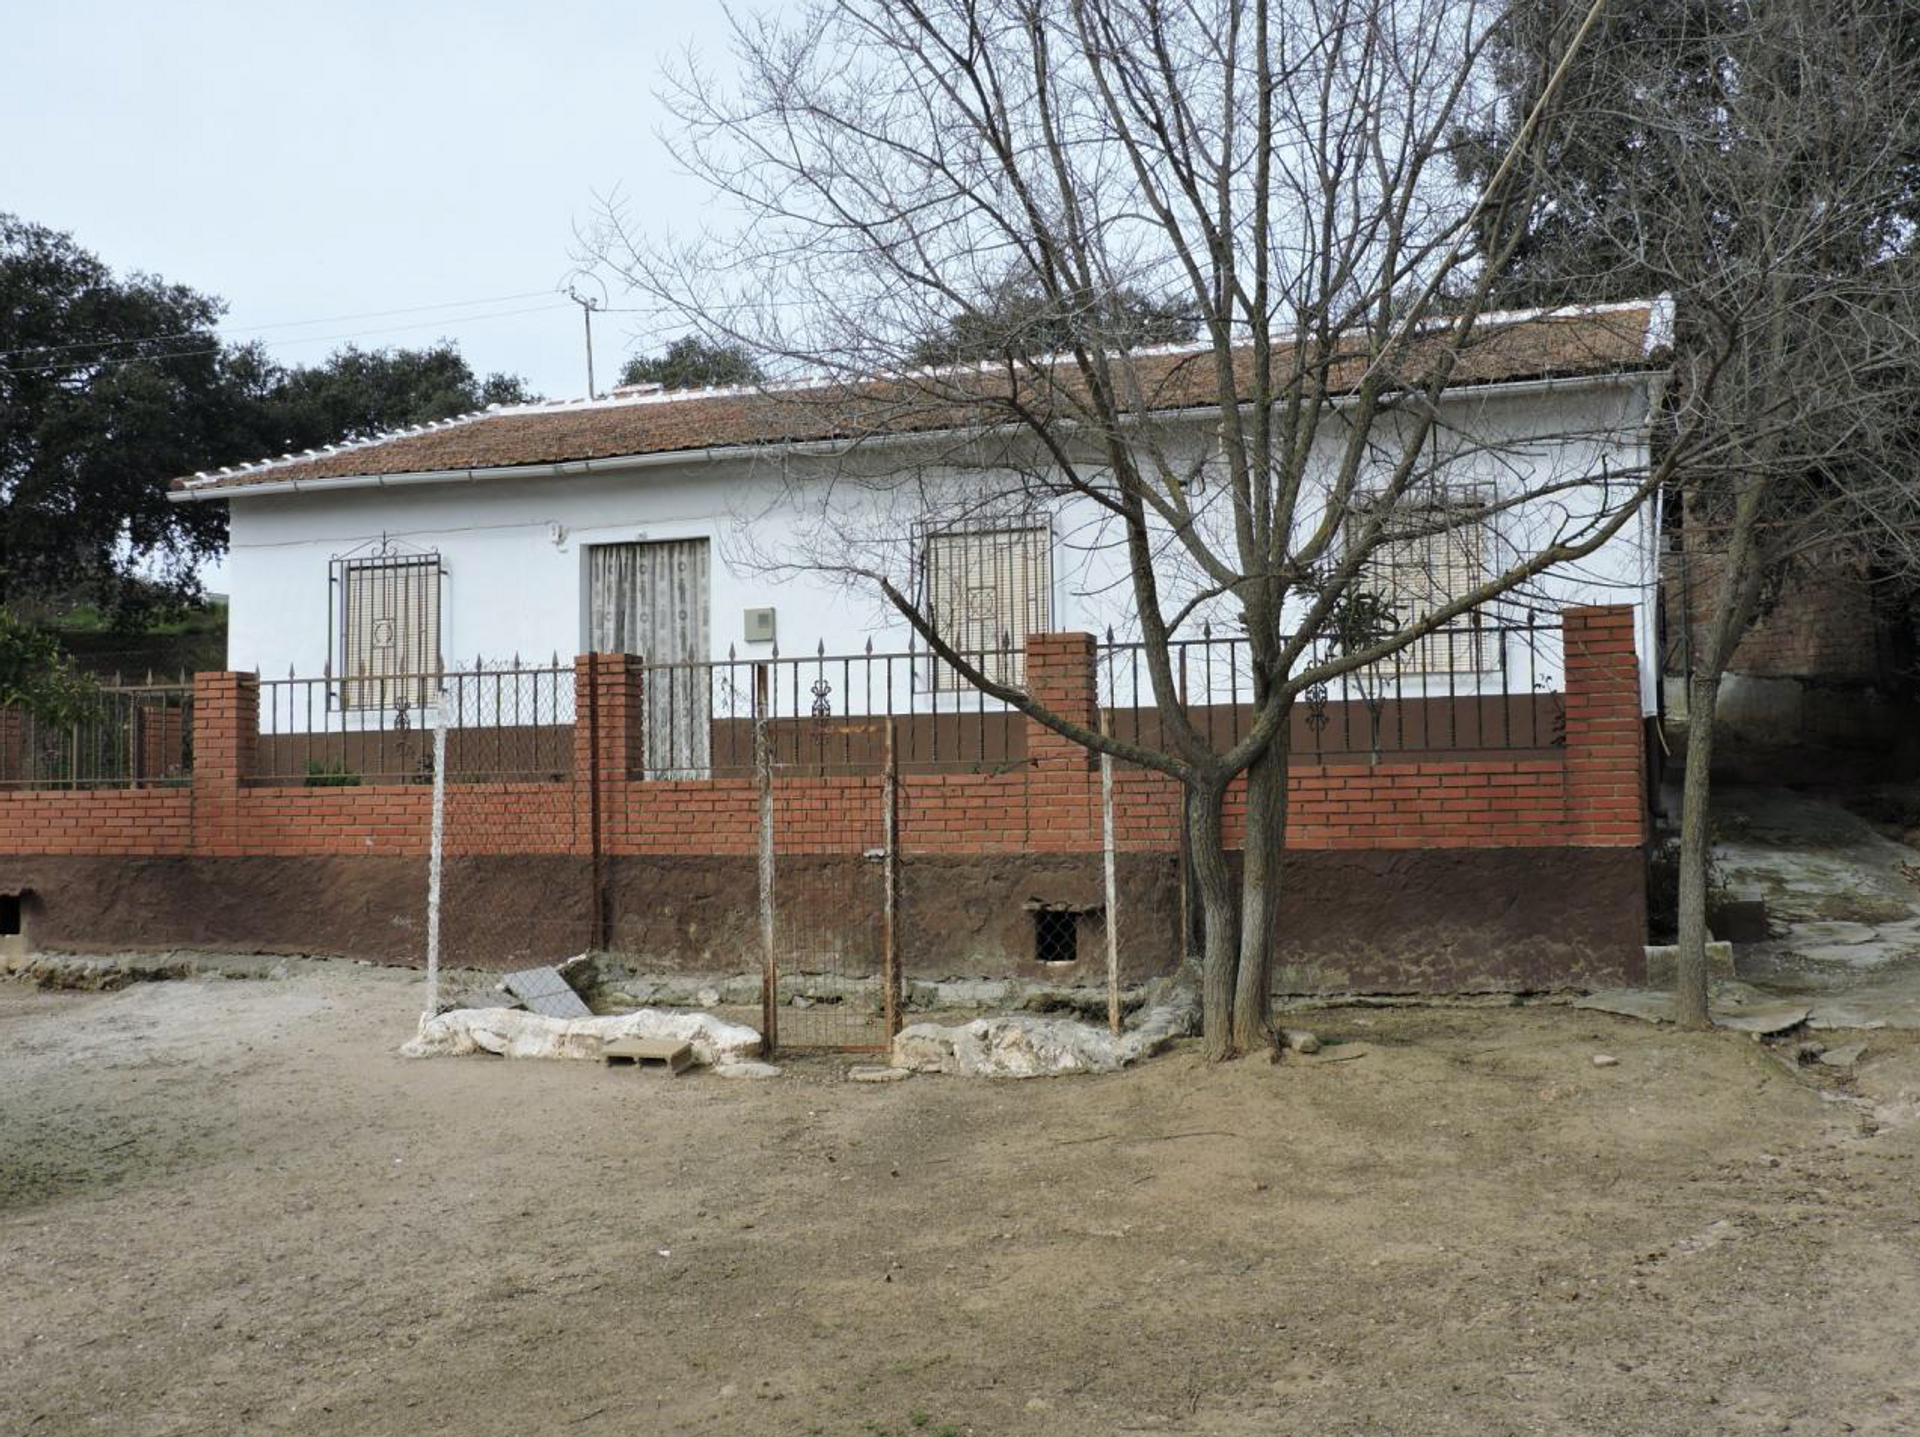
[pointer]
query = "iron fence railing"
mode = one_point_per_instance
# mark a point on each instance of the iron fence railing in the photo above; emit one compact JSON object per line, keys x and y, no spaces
{"x":827,"y":714}
{"x":122,"y":736}
{"x":511,"y":722}
{"x":1475,"y":686}
{"x":1472,"y":686}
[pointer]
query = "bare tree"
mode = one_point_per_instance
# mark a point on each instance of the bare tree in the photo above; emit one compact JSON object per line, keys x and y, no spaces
{"x":1281,"y":167}
{"x":1760,"y":160}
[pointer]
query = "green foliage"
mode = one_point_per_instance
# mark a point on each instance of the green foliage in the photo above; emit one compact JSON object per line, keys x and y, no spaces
{"x":358,"y":392}
{"x":109,"y":386}
{"x":113,"y":385}
{"x":36,"y":676}
{"x":691,"y":362}
{"x":1017,"y":319}
{"x":330,"y":773}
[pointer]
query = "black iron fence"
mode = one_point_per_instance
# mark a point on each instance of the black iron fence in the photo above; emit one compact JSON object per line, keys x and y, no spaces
{"x":121,"y":736}
{"x":511,"y":722}
{"x":1478,"y":685}
{"x":1475,"y":686}
{"x":827,"y":714}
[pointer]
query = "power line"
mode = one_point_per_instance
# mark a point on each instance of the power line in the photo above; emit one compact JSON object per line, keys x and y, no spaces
{"x":261,"y":328}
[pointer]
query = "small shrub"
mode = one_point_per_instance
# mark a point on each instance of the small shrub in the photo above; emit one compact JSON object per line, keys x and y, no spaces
{"x":1663,"y":888}
{"x":330,"y":773}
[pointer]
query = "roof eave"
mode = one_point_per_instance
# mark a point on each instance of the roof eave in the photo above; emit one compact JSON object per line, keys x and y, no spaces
{"x":195,"y":491}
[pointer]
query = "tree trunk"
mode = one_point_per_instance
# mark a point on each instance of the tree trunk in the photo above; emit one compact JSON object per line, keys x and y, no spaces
{"x":1263,"y":847}
{"x":1690,"y":969}
{"x":1215,"y":883}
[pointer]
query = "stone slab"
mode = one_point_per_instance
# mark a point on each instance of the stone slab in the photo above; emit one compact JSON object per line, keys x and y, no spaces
{"x":545,"y":991}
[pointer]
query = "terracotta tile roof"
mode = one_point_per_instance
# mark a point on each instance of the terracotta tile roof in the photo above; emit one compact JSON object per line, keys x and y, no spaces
{"x":1504,"y":348}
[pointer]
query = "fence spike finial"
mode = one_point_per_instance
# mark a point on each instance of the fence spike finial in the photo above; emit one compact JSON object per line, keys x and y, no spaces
{"x":1109,"y":633}
{"x":821,"y":650}
{"x":730,"y":653}
{"x":1206,"y":628}
{"x":289,"y":668}
{"x":869,"y":645}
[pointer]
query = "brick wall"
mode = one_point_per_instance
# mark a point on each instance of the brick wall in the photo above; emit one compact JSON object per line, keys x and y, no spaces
{"x":1588,"y":793}
{"x":1822,"y":626}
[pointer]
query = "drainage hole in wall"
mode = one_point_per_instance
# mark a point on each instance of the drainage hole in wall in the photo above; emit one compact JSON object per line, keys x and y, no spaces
{"x":9,"y":914}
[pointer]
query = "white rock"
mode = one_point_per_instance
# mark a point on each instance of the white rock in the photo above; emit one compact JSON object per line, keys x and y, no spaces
{"x":1605,"y":1060}
{"x":708,"y":997}
{"x":876,"y":1073}
{"x":1021,"y":1046}
{"x":516,"y":1034}
{"x":1300,"y":1040}
{"x":745,"y":1070}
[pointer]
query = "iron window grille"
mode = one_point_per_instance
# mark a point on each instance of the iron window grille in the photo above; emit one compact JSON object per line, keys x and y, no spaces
{"x":986,"y":587}
{"x":1440,"y":554}
{"x":386,"y":627}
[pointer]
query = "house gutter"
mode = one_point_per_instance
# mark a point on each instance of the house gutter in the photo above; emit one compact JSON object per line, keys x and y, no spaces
{"x":569,"y":468}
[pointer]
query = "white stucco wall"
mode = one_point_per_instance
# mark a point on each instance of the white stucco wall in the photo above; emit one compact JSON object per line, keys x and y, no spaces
{"x":515,"y":550}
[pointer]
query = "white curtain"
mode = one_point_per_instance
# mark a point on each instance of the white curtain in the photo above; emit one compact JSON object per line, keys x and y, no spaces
{"x":651,"y":600}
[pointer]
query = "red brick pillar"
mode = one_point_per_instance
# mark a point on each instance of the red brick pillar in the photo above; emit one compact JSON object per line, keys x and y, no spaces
{"x":226,"y":736}
{"x":1060,"y":675}
{"x":607,"y":707}
{"x":1606,"y":737}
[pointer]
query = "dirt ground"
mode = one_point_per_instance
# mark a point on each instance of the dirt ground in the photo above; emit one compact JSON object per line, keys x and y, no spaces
{"x":228,"y":1206}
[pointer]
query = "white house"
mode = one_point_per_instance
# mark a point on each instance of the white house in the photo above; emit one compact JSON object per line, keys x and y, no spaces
{"x":687,"y":526}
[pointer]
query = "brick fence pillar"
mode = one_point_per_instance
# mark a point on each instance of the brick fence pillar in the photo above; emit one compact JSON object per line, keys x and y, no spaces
{"x":1606,"y":739}
{"x":1060,"y":675}
{"x":226,"y":737}
{"x":608,"y":704}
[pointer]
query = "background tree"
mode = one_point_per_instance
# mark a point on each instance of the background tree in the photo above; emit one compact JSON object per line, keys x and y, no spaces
{"x":692,"y":362}
{"x":112,"y":386}
{"x":360,"y":392}
{"x":108,"y":387}
{"x":1017,"y":318}
{"x":1759,"y":160}
{"x":1280,"y":165}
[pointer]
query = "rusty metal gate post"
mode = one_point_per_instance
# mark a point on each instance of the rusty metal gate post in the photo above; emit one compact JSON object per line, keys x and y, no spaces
{"x":763,"y":768}
{"x":891,"y":985}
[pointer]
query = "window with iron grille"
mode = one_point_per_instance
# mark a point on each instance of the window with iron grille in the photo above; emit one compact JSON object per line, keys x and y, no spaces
{"x":987,"y":589}
{"x":389,"y":637}
{"x":1438,"y":554}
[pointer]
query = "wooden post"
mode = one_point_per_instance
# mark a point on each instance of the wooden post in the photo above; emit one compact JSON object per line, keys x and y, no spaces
{"x":890,"y":977}
{"x":1112,"y":924}
{"x":770,"y":969}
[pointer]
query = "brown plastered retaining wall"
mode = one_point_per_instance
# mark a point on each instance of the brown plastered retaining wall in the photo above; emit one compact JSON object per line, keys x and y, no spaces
{"x":1519,"y":870}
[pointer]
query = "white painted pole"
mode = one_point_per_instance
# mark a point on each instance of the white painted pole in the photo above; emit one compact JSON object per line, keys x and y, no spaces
{"x":438,"y":843}
{"x":1113,"y":893}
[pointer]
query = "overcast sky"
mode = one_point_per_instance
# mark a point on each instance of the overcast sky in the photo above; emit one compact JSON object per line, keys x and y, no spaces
{"x":307,"y":162}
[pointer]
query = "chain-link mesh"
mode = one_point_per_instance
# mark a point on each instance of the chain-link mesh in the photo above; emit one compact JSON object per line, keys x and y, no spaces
{"x":833,"y":890}
{"x":513,"y":891}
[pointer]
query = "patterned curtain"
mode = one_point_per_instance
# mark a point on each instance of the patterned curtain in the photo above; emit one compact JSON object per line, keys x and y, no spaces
{"x":651,"y":600}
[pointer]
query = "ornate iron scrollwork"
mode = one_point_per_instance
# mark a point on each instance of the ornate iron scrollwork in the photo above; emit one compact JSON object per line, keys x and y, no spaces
{"x":1316,"y":697}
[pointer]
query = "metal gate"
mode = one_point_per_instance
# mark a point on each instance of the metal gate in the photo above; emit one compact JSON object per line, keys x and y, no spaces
{"x":829,"y":884}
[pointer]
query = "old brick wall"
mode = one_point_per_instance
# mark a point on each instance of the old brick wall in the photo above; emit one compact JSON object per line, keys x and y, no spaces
{"x":675,"y":857}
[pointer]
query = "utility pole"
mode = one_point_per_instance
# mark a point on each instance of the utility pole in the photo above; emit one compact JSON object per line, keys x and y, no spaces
{"x":587,"y":308}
